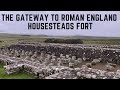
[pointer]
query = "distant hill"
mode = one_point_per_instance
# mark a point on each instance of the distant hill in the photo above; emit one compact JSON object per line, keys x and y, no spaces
{"x":83,"y":37}
{"x":51,"y":36}
{"x":93,"y":37}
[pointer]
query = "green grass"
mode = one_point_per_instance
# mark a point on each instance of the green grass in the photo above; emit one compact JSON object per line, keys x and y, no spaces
{"x":13,"y":39}
{"x":21,"y":75}
{"x":102,"y":41}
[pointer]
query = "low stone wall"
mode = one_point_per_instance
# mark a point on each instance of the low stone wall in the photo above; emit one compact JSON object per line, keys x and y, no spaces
{"x":40,"y":72}
{"x":7,"y":60}
{"x":90,"y":73}
{"x":13,"y":68}
{"x":86,"y":52}
{"x":46,"y":61}
{"x":57,"y":72}
{"x":85,"y":73}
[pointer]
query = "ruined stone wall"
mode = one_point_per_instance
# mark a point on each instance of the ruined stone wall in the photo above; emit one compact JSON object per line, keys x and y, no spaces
{"x":86,"y":52}
{"x":85,"y":73}
{"x":40,"y":68}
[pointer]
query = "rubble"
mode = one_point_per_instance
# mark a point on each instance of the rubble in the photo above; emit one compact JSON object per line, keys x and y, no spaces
{"x":109,"y":67}
{"x":89,"y":65}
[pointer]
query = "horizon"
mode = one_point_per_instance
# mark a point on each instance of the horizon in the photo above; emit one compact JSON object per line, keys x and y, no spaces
{"x":58,"y":35}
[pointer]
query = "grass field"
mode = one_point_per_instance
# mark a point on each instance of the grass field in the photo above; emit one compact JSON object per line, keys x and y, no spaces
{"x":12,"y":39}
{"x":102,"y":41}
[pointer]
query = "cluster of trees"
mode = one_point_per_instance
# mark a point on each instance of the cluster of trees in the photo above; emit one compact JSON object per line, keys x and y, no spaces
{"x":67,"y":41}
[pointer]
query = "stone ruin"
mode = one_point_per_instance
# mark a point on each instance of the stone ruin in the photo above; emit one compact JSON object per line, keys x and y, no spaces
{"x":60,"y":61}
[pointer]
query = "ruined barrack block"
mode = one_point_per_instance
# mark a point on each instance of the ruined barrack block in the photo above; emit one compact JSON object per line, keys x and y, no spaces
{"x":59,"y":72}
{"x":46,"y":60}
{"x":108,"y":53}
{"x":85,"y":73}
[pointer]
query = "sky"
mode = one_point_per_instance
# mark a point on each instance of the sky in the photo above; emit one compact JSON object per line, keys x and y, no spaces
{"x":110,"y":29}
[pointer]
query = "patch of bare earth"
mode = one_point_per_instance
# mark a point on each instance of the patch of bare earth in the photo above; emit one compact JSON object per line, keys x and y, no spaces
{"x":100,"y":66}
